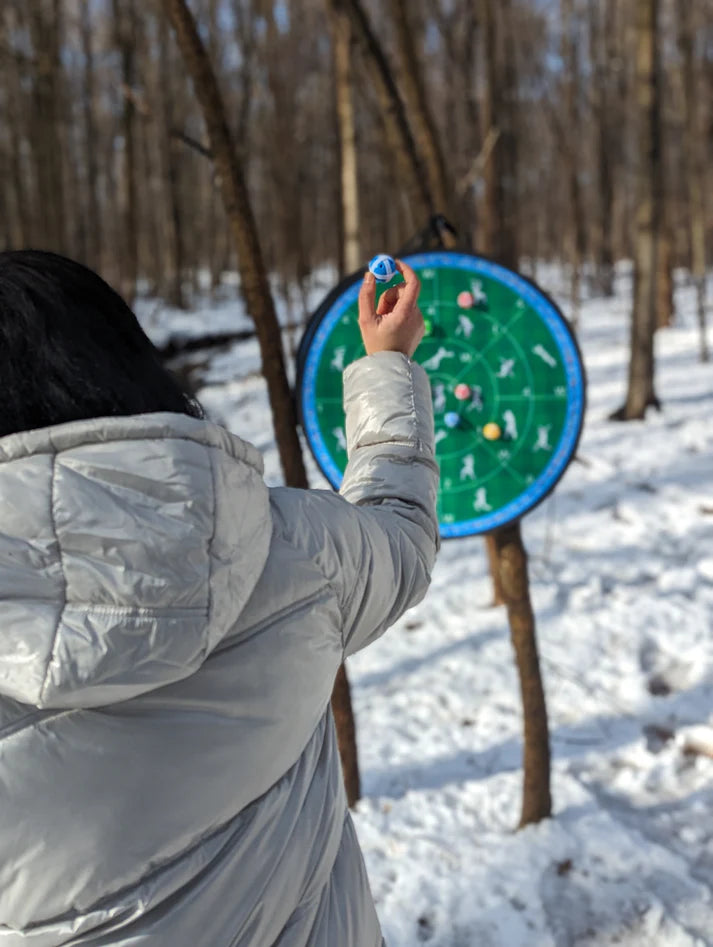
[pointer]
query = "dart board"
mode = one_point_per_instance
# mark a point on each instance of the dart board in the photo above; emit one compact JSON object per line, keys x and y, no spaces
{"x":506,"y":376}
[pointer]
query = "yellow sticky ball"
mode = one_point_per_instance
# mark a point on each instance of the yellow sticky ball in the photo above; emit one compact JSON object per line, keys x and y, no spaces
{"x":491,"y":431}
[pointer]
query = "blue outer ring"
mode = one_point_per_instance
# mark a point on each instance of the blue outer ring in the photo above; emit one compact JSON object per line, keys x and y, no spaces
{"x":334,"y":307}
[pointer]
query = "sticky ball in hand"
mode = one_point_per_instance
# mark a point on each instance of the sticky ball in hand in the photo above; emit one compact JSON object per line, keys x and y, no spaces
{"x":383,"y":267}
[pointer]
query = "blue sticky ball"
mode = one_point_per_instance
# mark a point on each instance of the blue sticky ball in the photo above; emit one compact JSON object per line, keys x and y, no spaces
{"x":383,"y":267}
{"x":451,"y":419}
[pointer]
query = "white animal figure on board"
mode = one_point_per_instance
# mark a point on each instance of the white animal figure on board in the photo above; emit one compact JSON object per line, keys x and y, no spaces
{"x":542,"y":352}
{"x":510,"y":424}
{"x":467,"y":471}
{"x":480,"y":504}
{"x":337,"y":362}
{"x":543,"y":438}
{"x":479,"y":296}
{"x":465,"y":326}
{"x":439,"y":398}
{"x":339,"y":435}
{"x":476,"y":398}
{"x":434,"y":363}
{"x":506,"y":368}
{"x":440,"y":435}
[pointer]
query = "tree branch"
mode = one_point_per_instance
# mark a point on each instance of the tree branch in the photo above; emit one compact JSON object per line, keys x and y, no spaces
{"x":145,"y":111}
{"x":480,"y":161}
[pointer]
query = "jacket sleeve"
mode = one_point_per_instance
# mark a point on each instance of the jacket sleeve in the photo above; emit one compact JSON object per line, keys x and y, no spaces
{"x":377,"y":550}
{"x":391,"y":480}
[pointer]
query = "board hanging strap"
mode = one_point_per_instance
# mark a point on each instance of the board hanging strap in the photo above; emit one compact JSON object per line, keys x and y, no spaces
{"x":431,"y":237}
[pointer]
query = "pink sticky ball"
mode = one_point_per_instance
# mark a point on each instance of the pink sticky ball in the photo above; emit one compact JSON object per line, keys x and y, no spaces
{"x":465,"y":299}
{"x":462,"y":392}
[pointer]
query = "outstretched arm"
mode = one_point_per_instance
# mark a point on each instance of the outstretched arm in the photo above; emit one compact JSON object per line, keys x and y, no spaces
{"x":378,"y":549}
{"x":391,"y":479}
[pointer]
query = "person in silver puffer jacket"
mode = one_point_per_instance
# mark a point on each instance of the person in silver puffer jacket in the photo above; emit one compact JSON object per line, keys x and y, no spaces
{"x":170,"y":630}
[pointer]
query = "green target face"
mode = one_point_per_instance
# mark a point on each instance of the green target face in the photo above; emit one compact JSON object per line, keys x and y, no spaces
{"x":506,"y":378}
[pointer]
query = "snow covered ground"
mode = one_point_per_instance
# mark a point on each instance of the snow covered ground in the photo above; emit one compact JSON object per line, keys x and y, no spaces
{"x":621,"y":563}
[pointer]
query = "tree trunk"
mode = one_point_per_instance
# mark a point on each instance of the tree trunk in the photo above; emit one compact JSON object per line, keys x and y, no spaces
{"x":499,"y":231}
{"x":6,"y":240}
{"x":150,"y":240}
{"x":491,"y":551}
{"x":125,"y":30}
{"x":17,"y":125}
{"x":694,"y":164}
{"x":349,"y":192}
{"x":352,"y":257}
{"x":175,"y":251}
{"x":245,"y":30}
{"x":536,"y":798}
{"x":94,"y":216}
{"x":426,"y":139}
{"x":664,"y":279}
{"x":576,"y":236}
{"x":640,"y":393}
{"x":346,"y":735}
{"x":253,"y":275}
{"x":402,"y":146}
{"x":602,"y":34}
{"x":506,"y":551}
{"x":47,"y":138}
{"x":498,"y":237}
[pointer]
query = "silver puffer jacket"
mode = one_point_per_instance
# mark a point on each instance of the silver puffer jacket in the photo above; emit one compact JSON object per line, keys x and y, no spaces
{"x":169,"y":634}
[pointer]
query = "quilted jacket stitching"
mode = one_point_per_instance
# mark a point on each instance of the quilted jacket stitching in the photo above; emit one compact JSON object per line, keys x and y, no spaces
{"x":63,"y":604}
{"x":209,"y":551}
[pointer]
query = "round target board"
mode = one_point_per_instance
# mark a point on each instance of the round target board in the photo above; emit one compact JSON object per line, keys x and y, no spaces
{"x":506,"y":377}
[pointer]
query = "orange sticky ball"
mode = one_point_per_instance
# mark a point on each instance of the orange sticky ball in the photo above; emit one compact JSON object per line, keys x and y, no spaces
{"x":491,"y":431}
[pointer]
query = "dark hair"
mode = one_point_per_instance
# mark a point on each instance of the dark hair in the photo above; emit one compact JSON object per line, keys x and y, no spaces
{"x":70,"y":348}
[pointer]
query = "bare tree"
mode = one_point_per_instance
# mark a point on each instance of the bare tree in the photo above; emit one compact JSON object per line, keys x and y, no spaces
{"x":352,"y":259}
{"x":536,"y":797}
{"x":349,"y":191}
{"x":506,"y":550}
{"x":125,"y":33}
{"x":694,"y":160}
{"x":499,"y":230}
{"x":497,"y":236}
{"x":245,"y":16}
{"x":397,"y":129}
{"x":95,"y":230}
{"x":649,"y":203}
{"x":664,"y":267}
{"x":426,"y":140}
{"x":606,"y":67}
{"x":289,"y":236}
{"x":175,"y":256}
{"x":44,"y":20}
{"x":12,"y":63}
{"x":254,"y":283}
{"x":346,"y":736}
{"x":571,"y":142}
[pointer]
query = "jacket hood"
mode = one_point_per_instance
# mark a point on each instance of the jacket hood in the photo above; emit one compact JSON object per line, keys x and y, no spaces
{"x":128,"y":548}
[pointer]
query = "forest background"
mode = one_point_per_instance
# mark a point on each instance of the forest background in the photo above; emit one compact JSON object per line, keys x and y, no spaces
{"x":104,"y":155}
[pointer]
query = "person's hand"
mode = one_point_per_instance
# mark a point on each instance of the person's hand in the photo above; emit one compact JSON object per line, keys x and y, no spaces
{"x":396,"y":324}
